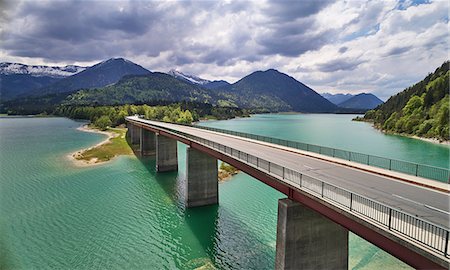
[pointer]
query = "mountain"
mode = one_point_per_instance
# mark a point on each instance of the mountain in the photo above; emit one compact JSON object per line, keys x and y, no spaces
{"x":188,"y":78}
{"x":337,"y":98}
{"x":275,"y":91}
{"x":138,"y":89}
{"x":99,"y":75}
{"x":361,"y":101}
{"x":421,"y":110}
{"x":261,"y":91}
{"x":39,"y":71}
{"x":19,"y":79}
{"x":216,"y":84}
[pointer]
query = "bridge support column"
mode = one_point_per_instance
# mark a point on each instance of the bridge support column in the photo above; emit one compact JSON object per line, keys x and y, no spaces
{"x":202,"y":183}
{"x":135,"y":134}
{"x":166,"y":154}
{"x":147,"y":142}
{"x":128,"y":134}
{"x":307,"y":240}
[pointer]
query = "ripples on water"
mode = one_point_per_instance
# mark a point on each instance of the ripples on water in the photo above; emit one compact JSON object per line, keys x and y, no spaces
{"x":122,"y":215}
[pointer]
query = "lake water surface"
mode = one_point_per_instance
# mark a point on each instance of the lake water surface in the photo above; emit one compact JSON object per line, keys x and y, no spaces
{"x":122,"y":215}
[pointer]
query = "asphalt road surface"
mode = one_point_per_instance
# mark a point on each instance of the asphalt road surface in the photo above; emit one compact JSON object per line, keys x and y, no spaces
{"x":429,"y":204}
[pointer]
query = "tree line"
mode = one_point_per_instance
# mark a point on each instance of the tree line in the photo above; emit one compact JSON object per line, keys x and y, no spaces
{"x":185,"y":113}
{"x":421,"y":110}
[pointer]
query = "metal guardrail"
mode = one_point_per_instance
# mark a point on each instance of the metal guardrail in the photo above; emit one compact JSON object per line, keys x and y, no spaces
{"x":415,"y":228}
{"x":421,"y":170}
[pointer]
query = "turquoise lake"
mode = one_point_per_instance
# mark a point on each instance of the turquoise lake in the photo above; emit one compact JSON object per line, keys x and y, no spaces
{"x":122,"y":215}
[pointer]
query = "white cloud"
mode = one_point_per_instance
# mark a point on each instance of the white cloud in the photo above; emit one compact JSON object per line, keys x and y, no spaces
{"x":345,"y":46}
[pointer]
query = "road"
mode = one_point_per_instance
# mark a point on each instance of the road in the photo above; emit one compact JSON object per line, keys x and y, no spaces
{"x":429,"y":204}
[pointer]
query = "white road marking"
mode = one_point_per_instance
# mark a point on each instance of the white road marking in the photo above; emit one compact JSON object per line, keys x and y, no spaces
{"x":427,"y":206}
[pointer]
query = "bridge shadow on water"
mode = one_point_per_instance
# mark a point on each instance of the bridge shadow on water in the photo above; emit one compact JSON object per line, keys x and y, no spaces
{"x":225,"y":238}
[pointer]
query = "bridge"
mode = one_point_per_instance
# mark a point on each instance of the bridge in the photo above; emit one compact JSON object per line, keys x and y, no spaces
{"x":403,"y":214}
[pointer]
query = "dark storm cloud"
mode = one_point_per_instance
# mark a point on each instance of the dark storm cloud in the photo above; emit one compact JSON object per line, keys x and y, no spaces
{"x":79,"y":31}
{"x":292,"y":28}
{"x":292,"y":10}
{"x":340,"y":64}
{"x":293,"y":45}
{"x":95,"y":30}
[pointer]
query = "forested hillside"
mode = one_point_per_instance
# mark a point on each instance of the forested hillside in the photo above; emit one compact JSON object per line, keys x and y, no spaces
{"x":135,"y":89}
{"x":422,"y":109}
{"x":261,"y":91}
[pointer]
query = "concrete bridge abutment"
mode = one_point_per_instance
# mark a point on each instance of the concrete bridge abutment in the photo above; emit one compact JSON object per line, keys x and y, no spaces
{"x":166,"y":154}
{"x":147,"y":142}
{"x":308,"y":240}
{"x":202,"y":185}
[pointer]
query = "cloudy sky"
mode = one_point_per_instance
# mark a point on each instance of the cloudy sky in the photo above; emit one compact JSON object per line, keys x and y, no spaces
{"x":345,"y":46}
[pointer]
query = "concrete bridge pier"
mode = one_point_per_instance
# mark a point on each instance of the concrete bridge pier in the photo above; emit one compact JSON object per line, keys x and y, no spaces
{"x":202,"y":183}
{"x":135,"y":134}
{"x":166,"y":154}
{"x":128,"y":134}
{"x":307,"y":240}
{"x":147,"y":144}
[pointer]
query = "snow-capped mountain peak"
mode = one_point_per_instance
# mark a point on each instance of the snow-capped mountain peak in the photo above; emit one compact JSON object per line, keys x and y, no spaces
{"x":38,"y":71}
{"x":190,"y":78}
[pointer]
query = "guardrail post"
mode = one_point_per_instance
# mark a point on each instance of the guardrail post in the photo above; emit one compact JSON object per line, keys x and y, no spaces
{"x":351,"y":201}
{"x":349,"y":156}
{"x":390,"y":164}
{"x":283,"y":172}
{"x":390,"y":218}
{"x":269,"y":166}
{"x":446,"y":244}
{"x":417,"y":169}
{"x":323,"y":184}
{"x":368,"y":160}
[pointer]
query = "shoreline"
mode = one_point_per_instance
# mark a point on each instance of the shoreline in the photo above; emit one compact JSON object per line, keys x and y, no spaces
{"x":430,"y":140}
{"x":94,"y":161}
{"x":224,"y":176}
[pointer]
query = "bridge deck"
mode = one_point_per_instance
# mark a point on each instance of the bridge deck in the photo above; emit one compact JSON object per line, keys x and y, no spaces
{"x":423,"y":202}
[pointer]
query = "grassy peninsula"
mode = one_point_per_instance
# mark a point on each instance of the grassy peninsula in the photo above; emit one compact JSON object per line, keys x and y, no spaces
{"x":114,"y":145}
{"x":110,"y":121}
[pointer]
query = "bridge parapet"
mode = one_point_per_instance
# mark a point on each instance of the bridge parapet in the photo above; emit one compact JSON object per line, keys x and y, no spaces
{"x":411,"y":168}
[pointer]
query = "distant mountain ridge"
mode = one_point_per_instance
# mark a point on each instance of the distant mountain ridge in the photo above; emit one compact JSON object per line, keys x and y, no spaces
{"x":99,"y":75}
{"x":276,"y":91}
{"x":262,"y":90}
{"x":364,"y":101}
{"x":39,"y":70}
{"x":337,"y":98}
{"x":216,"y":84}
{"x":120,"y":81}
{"x":18,"y":79}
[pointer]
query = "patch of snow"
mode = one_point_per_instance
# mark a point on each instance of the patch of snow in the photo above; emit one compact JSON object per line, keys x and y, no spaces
{"x":191,"y":78}
{"x":37,"y":71}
